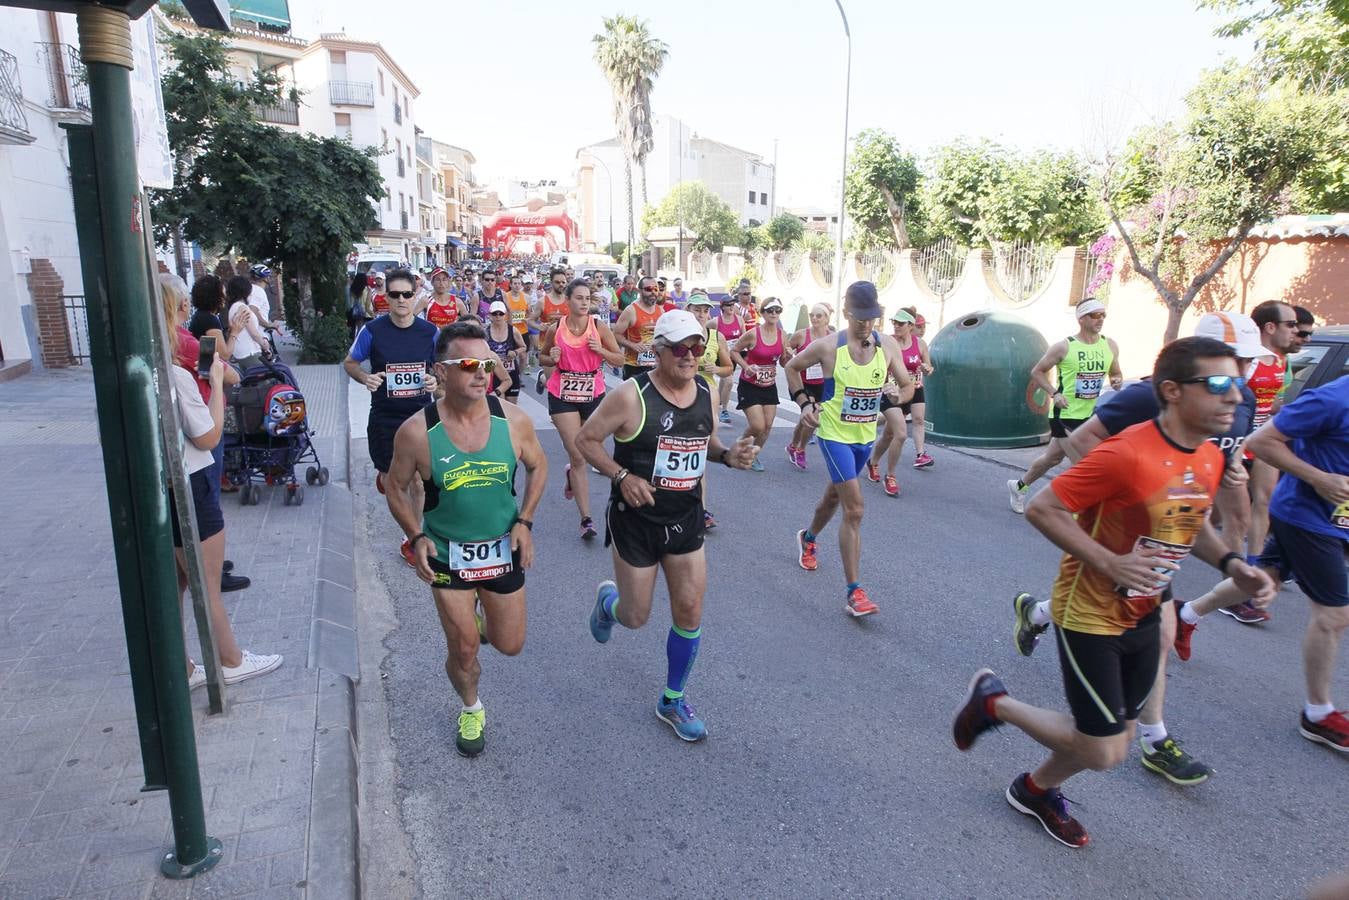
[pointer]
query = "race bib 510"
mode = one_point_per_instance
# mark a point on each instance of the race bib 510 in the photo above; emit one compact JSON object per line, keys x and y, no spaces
{"x":679,"y":462}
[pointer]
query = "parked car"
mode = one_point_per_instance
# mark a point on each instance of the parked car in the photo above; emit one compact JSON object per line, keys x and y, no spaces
{"x":1325,"y":358}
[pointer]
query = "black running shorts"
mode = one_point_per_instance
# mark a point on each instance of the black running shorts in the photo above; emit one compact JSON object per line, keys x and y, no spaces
{"x":642,"y":543}
{"x":557,"y":406}
{"x":1061,"y":428}
{"x":1106,"y":678}
{"x":509,"y":583}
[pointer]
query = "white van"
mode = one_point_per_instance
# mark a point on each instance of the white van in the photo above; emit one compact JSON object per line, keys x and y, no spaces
{"x":375,"y":261}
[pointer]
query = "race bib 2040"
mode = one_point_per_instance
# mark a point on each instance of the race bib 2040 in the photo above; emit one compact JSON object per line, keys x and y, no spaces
{"x":679,"y":462}
{"x":766,"y":376}
{"x":405,"y":379}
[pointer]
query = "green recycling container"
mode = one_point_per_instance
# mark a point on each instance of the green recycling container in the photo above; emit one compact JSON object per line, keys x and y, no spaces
{"x":979,"y":393}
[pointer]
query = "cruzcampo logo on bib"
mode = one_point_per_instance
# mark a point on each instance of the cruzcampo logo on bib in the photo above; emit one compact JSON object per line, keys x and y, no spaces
{"x":1340,"y":517}
{"x":475,"y":473}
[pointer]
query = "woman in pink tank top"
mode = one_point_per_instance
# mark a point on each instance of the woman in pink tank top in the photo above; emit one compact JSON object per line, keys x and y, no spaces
{"x":577,"y":346}
{"x":891,"y":440}
{"x":758,"y":353}
{"x":812,"y":380}
{"x":731,"y":327}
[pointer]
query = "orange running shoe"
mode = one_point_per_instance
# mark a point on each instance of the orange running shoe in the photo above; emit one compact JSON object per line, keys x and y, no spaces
{"x":873,"y":473}
{"x":859,"y":604}
{"x":891,"y":486}
{"x":806,"y":552}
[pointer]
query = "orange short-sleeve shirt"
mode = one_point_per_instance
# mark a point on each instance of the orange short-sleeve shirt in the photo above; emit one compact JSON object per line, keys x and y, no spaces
{"x":1135,"y":489}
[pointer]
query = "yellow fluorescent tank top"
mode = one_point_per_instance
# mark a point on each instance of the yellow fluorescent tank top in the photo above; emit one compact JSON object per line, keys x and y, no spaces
{"x":852,"y":395}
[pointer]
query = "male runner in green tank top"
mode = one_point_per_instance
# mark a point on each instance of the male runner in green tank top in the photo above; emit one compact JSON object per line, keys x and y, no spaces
{"x":1084,"y":362}
{"x":471,"y":544}
{"x":856,"y":362}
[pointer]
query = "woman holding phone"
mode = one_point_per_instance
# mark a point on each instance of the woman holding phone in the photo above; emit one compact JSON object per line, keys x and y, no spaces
{"x":201,"y":417}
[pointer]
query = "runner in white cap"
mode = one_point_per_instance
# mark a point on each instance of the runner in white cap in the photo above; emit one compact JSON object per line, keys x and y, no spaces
{"x":1083,"y":361}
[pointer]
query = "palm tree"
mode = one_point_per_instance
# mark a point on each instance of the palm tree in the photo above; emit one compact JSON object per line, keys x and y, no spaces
{"x":630,"y":58}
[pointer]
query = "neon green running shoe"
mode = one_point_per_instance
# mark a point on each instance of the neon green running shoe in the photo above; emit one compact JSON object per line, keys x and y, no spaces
{"x":469,"y":742}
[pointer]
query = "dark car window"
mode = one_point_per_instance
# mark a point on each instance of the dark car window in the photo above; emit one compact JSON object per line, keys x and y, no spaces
{"x":1303,"y":365}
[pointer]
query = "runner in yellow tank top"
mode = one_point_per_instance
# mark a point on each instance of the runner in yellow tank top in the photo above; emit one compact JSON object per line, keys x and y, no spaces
{"x":856,"y":364}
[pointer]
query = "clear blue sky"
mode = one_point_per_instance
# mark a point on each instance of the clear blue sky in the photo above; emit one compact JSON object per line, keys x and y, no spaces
{"x":1049,"y":73}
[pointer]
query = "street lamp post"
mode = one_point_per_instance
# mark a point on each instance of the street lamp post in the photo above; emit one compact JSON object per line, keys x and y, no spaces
{"x":843,"y":176}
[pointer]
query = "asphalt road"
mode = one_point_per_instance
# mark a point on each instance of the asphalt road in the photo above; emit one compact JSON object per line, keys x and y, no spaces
{"x":829,"y":767}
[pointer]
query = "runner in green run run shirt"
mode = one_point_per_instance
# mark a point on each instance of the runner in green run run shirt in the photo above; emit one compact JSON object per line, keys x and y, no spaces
{"x":471,"y":543}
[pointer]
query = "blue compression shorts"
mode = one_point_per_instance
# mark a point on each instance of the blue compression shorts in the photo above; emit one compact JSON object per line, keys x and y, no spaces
{"x":844,"y":461}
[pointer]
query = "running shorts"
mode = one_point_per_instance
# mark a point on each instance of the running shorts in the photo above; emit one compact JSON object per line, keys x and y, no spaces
{"x":1061,"y":428}
{"x":844,"y":461}
{"x":814,"y":391}
{"x":509,"y":583}
{"x":557,"y":406}
{"x":1107,"y":677}
{"x":512,"y":389}
{"x":918,"y":397}
{"x":1315,"y":560}
{"x":379,"y":435}
{"x":634,"y":371}
{"x":642,"y":543}
{"x":748,"y":395}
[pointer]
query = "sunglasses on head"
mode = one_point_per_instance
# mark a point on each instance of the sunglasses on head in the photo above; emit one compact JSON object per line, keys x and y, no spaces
{"x":1216,"y":384}
{"x":470,"y":364}
{"x":682,"y":350}
{"x":402,"y":295}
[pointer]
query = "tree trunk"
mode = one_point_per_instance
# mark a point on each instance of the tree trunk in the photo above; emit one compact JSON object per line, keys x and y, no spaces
{"x":304,"y":288}
{"x":632,"y":230}
{"x":897,"y":223}
{"x":1174,"y":313}
{"x":642,"y":167}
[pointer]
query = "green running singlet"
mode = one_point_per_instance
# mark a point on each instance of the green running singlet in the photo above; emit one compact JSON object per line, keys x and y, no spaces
{"x":852,"y":395}
{"x":1082,"y":374}
{"x":470,"y":497}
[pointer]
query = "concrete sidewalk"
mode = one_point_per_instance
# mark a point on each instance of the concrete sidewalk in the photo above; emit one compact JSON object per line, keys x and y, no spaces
{"x":277,"y":769}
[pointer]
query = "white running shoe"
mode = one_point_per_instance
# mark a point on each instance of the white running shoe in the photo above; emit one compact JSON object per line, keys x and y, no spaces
{"x":197,"y":678}
{"x":251,"y":666}
{"x":1017,"y":496}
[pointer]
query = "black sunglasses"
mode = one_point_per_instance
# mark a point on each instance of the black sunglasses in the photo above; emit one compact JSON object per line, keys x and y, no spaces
{"x":1305,"y":335}
{"x":402,"y":295}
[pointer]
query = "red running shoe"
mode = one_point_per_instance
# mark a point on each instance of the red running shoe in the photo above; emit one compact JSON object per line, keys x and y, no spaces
{"x":859,"y":604}
{"x":873,"y":473}
{"x":972,"y":717}
{"x":806,"y":552}
{"x":1333,"y":731}
{"x":405,"y":551}
{"x":1051,"y":808}
{"x":891,"y":486}
{"x":1247,"y":613}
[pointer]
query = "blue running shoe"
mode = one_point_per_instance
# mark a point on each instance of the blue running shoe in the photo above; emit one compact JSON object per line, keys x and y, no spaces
{"x":601,"y":625}
{"x":679,"y":715}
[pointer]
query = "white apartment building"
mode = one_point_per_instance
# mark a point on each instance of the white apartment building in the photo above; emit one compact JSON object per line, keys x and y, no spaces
{"x":741,"y":178}
{"x":41,"y":86}
{"x":354,"y":89}
{"x":462,"y":222}
{"x":431,"y":212}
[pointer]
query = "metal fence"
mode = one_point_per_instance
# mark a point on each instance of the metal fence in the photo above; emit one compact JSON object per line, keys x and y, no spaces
{"x":77,"y":324}
{"x":941,"y":264}
{"x":351,"y":93}
{"x":284,"y":112}
{"x":824,"y":261}
{"x":67,"y":79}
{"x":11,"y":95}
{"x":1022,"y":267}
{"x":789,"y":265}
{"x":878,"y":267}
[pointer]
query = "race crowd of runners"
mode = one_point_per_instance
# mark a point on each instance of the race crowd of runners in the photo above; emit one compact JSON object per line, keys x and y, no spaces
{"x":1202,"y":459}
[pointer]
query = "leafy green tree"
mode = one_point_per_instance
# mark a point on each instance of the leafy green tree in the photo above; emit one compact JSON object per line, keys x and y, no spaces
{"x":618,"y":250}
{"x":985,"y":193}
{"x":1207,"y":180}
{"x":702,"y":212}
{"x":293,"y":199}
{"x":881,"y":190}
{"x":780,"y":232}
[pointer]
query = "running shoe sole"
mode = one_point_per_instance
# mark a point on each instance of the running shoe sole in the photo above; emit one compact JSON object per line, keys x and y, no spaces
{"x":1320,"y":739}
{"x":674,"y":726}
{"x":1244,"y":620}
{"x":1027,"y":811}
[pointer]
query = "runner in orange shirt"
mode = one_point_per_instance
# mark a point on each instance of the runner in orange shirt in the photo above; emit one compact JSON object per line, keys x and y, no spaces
{"x":635,"y":327}
{"x":1125,"y":516}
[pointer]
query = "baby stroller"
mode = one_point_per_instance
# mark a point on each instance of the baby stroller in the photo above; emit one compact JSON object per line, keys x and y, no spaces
{"x":267,"y":435}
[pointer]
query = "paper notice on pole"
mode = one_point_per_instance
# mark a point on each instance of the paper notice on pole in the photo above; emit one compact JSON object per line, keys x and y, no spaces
{"x":154,"y":161}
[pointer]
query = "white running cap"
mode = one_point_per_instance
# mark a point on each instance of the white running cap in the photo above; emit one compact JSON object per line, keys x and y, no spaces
{"x":678,"y":325}
{"x":1236,"y":330}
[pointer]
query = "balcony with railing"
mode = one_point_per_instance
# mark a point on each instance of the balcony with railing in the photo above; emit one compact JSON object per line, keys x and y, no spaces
{"x":351,"y":93}
{"x":285,"y":112}
{"x":67,"y":80}
{"x":13,"y":122}
{"x":398,"y":113}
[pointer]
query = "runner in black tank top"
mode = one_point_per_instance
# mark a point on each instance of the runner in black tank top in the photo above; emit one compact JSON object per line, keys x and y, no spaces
{"x":664,"y":435}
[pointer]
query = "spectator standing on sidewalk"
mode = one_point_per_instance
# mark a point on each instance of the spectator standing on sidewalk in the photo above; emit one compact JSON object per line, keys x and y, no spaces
{"x":260,"y":298}
{"x":359,"y":308}
{"x":202,"y":421}
{"x":249,"y":339}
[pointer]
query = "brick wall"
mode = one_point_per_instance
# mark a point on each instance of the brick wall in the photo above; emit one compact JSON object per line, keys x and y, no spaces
{"x":53,"y":332}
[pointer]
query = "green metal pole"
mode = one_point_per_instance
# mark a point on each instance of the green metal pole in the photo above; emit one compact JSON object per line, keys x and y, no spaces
{"x":139,"y":499}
